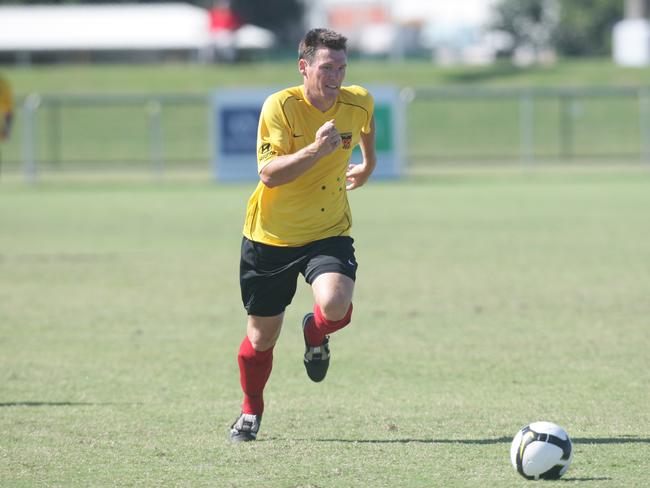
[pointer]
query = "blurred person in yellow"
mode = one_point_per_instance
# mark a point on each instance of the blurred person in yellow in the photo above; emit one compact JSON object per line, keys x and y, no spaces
{"x":298,"y":218}
{"x":6,"y":108}
{"x":6,"y":112}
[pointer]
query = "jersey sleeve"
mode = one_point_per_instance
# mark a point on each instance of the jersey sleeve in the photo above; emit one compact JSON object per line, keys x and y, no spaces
{"x":273,"y":134}
{"x":369,"y":105}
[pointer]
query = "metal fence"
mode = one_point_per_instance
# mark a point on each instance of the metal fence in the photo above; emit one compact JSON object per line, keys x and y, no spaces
{"x":136,"y":133}
{"x":162,"y":134}
{"x":528,"y":125}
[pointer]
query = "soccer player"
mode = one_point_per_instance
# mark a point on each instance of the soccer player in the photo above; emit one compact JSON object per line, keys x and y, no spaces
{"x":298,"y":218}
{"x":6,"y":109}
{"x":6,"y":112}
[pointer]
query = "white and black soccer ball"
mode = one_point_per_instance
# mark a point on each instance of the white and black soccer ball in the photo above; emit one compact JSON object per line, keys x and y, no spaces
{"x":541,"y":450}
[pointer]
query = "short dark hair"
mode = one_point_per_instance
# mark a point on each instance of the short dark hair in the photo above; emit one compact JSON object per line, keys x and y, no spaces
{"x":319,"y":38}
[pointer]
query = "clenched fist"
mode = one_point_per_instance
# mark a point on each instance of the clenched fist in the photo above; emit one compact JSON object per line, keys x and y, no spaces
{"x":328,"y":138}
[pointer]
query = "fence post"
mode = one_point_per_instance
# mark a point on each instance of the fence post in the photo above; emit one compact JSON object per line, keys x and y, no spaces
{"x":526,"y":127}
{"x":156,"y":153}
{"x":54,"y":118}
{"x":30,"y":108}
{"x":565,"y":126}
{"x":644,"y":124}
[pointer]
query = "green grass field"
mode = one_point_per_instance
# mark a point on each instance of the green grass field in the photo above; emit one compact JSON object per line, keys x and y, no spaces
{"x":195,"y":78}
{"x":484,"y":302}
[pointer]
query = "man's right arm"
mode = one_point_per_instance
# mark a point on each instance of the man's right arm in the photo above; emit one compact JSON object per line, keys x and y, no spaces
{"x":286,"y":168}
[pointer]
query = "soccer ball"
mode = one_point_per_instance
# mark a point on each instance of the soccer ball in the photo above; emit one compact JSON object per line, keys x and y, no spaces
{"x":541,"y":450}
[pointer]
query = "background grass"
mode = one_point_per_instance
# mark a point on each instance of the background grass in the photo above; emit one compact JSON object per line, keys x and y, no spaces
{"x":99,"y":134}
{"x":484,"y":302}
{"x":193,"y":78}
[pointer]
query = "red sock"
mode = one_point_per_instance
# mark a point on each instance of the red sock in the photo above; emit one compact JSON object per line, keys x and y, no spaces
{"x":316,"y":330}
{"x":254,"y":371}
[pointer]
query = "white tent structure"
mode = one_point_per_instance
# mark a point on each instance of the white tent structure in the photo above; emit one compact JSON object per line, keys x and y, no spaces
{"x":103,"y":27}
{"x":631,"y":36}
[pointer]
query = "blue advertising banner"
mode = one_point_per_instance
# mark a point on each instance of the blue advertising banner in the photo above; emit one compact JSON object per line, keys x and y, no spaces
{"x":239,"y":129}
{"x":235,"y":116}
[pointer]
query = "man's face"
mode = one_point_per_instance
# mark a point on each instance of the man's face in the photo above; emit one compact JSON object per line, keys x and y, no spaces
{"x":323,"y":76}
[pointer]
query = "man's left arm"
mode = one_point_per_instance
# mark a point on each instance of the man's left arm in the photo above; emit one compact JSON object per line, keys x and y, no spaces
{"x":358,"y":174}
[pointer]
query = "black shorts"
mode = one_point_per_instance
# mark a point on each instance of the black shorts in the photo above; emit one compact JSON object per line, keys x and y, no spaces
{"x":268,"y":275}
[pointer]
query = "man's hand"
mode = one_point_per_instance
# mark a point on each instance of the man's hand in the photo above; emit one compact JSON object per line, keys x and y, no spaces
{"x":328,"y":138}
{"x":287,"y":167}
{"x":357,"y":175}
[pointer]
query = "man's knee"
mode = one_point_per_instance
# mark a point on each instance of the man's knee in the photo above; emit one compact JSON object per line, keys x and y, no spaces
{"x":261,"y":344}
{"x":263,"y":332}
{"x":333,"y":295}
{"x":334,"y":317}
{"x":335,"y":311}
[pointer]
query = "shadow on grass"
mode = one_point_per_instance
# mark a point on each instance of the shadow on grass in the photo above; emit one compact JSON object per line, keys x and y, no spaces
{"x":601,"y":478}
{"x":626,"y":439}
{"x":498,"y":440}
{"x":62,"y":404}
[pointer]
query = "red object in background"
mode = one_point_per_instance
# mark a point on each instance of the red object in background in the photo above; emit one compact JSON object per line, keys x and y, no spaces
{"x":222,"y":18}
{"x":353,"y":16}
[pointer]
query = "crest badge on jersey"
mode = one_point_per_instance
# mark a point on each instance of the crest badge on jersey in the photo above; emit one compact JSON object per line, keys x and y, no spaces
{"x":346,"y":139}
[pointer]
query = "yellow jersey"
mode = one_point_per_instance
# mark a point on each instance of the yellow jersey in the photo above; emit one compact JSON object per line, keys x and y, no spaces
{"x":315,"y":205}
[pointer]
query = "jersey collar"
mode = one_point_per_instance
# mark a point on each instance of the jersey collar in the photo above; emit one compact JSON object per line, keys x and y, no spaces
{"x":326,"y":114}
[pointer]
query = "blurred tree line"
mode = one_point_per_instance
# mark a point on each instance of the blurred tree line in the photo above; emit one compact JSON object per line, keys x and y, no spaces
{"x":571,"y":28}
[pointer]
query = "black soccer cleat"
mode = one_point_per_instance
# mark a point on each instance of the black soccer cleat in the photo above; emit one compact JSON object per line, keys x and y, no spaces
{"x":245,"y":428}
{"x":317,"y":359}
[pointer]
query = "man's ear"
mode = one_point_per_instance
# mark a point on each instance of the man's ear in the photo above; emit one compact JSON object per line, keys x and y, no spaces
{"x":302,"y":66}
